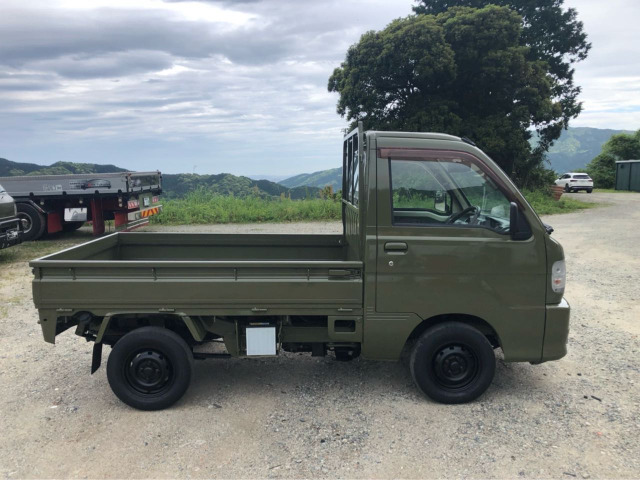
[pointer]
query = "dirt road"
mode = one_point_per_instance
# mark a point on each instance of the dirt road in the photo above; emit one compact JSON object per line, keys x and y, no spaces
{"x":311,"y":417}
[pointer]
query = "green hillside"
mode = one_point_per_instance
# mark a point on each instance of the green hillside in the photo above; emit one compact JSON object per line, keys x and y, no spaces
{"x":12,"y":169}
{"x":174,"y":185}
{"x":178,"y":185}
{"x":332,"y":177}
{"x":578,"y":146}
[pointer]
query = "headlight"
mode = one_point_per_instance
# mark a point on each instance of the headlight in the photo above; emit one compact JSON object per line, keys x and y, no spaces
{"x":558,"y":276}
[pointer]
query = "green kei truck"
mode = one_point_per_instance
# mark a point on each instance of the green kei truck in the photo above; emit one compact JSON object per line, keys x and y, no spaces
{"x":441,"y":261}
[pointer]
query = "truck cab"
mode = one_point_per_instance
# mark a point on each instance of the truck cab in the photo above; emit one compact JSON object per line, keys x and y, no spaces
{"x":10,"y":225}
{"x":441,"y":258}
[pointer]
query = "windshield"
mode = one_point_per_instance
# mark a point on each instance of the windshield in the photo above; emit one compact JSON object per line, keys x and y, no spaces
{"x":2,"y":190}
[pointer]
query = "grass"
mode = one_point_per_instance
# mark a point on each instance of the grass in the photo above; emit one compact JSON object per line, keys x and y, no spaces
{"x":201,"y":207}
{"x":31,"y":250}
{"x":544,"y":204}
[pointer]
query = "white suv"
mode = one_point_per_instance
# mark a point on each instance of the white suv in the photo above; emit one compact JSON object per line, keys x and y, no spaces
{"x":572,"y":182}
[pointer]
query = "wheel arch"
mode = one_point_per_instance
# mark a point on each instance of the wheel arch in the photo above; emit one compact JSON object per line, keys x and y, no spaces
{"x":191,"y":329}
{"x":480,"y":324}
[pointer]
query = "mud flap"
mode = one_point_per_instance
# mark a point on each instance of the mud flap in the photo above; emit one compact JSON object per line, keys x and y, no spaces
{"x":96,"y":358}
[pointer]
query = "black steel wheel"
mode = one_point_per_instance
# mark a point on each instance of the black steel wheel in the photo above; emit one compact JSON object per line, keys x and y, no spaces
{"x":452,"y":363}
{"x":150,"y":368}
{"x":33,"y":221}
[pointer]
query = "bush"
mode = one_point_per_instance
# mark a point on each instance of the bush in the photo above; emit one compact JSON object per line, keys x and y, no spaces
{"x":544,"y":204}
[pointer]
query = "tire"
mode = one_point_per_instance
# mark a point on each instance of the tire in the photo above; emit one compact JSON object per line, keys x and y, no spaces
{"x":567,"y":189}
{"x":452,"y":363}
{"x":36,"y":222}
{"x":589,"y":190}
{"x":71,"y":226}
{"x":150,"y":368}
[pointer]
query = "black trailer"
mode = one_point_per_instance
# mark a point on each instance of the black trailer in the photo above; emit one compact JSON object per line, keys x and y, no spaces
{"x":54,"y":203}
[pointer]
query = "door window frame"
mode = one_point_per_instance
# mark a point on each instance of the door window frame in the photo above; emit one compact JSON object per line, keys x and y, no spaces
{"x":403,"y":153}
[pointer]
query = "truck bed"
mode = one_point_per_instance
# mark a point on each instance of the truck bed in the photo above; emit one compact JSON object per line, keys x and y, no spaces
{"x":83,"y":184}
{"x":195,"y":273}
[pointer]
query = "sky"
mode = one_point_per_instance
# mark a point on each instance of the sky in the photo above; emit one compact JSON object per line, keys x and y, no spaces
{"x":227,"y":86}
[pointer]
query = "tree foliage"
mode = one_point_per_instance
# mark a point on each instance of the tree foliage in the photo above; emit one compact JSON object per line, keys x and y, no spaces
{"x":551,"y":34}
{"x":463,"y":71}
{"x":602,"y":169}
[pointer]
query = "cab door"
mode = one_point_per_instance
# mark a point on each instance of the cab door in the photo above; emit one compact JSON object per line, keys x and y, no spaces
{"x":444,"y":249}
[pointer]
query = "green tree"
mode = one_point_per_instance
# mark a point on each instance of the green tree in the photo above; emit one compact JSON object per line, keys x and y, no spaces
{"x":622,"y":146}
{"x":463,"y":71}
{"x":551,"y":34}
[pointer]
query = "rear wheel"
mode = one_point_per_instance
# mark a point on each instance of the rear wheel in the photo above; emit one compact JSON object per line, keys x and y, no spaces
{"x":150,"y":368}
{"x":34,"y":222}
{"x":589,"y":190}
{"x":452,"y":363}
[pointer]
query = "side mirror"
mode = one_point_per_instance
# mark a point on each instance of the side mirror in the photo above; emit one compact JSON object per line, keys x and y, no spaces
{"x":513,"y":220}
{"x":519,"y":228}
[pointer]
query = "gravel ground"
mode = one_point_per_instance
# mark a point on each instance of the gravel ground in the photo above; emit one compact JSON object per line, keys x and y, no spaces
{"x":314,"y":417}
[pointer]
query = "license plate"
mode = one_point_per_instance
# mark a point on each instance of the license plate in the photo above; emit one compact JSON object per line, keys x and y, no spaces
{"x":261,"y":341}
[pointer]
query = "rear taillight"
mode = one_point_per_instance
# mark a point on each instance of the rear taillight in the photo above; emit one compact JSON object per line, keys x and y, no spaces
{"x":558,"y":276}
{"x":572,"y":180}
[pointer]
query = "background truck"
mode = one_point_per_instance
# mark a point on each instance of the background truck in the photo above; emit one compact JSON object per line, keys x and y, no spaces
{"x":10,"y":226}
{"x":54,"y":203}
{"x":441,"y":257}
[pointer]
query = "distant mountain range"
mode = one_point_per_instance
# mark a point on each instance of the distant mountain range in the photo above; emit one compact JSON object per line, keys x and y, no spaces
{"x":174,"y":185}
{"x":12,"y":169}
{"x":574,"y":149}
{"x":578,"y":146}
{"x":332,"y":177}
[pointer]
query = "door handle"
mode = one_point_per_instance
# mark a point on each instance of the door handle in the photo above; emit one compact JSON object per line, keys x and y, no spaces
{"x":395,"y":247}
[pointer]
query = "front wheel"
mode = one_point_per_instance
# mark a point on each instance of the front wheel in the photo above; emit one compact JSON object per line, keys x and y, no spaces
{"x":567,"y":189}
{"x":150,"y":368}
{"x":452,"y":363}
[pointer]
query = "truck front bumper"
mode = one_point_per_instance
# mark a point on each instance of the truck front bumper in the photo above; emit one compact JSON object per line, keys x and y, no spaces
{"x":556,"y":332}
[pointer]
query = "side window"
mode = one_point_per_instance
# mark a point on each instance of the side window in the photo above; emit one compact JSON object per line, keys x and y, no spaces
{"x":351,"y":166}
{"x":446,"y":192}
{"x":417,"y":191}
{"x":355,"y":165}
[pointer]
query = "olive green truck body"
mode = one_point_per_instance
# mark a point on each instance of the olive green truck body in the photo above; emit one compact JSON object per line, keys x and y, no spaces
{"x":437,"y":240}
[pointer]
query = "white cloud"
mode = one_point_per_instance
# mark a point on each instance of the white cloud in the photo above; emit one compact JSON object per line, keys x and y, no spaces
{"x":229,"y":86}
